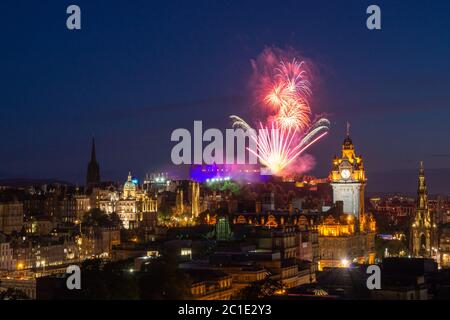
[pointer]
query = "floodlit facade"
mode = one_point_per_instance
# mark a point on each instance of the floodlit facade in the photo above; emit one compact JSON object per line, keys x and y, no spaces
{"x":348,"y":233}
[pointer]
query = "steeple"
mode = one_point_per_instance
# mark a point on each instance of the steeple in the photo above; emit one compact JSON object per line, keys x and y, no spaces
{"x":421,"y":232}
{"x":93,"y":155}
{"x":93,"y":169}
{"x":422,"y":193}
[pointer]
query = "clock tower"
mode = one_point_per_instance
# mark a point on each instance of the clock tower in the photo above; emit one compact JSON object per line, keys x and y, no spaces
{"x":347,"y":232}
{"x":348,"y":179}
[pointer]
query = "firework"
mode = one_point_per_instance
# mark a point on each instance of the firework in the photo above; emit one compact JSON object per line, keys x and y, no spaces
{"x":276,"y":95}
{"x":275,"y":147}
{"x":282,"y":86}
{"x":293,"y":115}
{"x":294,"y":77}
{"x":322,"y":125}
{"x":285,"y":89}
{"x":239,"y":123}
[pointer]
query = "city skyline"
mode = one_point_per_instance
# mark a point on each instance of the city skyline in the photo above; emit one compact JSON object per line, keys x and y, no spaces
{"x":405,"y":178}
{"x":217,"y":158}
{"x":119,"y":74}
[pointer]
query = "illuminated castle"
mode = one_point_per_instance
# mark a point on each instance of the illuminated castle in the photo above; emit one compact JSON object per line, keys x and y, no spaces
{"x":347,"y":232}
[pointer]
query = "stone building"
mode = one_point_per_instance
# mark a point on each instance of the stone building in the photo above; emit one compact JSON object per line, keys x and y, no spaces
{"x":7,"y":261}
{"x":131,"y":203}
{"x":347,"y":232}
{"x":444,"y":246}
{"x":11,"y":215}
{"x":423,"y":231}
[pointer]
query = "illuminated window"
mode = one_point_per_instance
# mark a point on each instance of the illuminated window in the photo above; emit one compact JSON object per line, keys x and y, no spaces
{"x":186,"y":252}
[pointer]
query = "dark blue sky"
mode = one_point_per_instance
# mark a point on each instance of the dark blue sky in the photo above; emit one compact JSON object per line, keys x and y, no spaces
{"x":139,"y":69}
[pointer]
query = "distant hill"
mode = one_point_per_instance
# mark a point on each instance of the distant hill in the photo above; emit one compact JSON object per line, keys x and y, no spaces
{"x":405,"y":181}
{"x":24,"y":182}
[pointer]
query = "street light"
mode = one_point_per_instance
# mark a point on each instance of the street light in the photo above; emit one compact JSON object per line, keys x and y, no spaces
{"x":345,"y":263}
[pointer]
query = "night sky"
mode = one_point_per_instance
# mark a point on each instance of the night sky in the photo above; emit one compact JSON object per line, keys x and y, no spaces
{"x":140,"y":69}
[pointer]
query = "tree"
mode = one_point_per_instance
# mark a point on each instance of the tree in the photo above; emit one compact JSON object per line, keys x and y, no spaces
{"x":162,"y":280}
{"x":230,"y":186}
{"x":13,"y":294}
{"x":164,"y":211}
{"x":394,"y":247}
{"x":98,"y":218}
{"x":115,"y":219}
{"x":105,"y":281}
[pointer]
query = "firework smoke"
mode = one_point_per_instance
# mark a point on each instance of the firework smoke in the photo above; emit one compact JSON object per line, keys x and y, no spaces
{"x":282,"y":88}
{"x":281,"y":84}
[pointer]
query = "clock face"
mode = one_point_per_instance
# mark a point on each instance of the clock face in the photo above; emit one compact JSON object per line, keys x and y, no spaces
{"x":345,"y":173}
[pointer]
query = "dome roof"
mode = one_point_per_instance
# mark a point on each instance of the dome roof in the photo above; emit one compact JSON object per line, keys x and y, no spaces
{"x":129,"y":184}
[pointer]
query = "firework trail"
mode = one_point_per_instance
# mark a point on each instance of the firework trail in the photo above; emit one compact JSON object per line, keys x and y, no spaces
{"x":293,"y":115}
{"x":322,"y":125}
{"x":239,"y":123}
{"x":283,"y":87}
{"x":289,"y":85}
{"x":275,"y":147}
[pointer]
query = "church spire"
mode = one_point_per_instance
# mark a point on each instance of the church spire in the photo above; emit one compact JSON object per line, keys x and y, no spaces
{"x":93,"y":169}
{"x":93,"y":155}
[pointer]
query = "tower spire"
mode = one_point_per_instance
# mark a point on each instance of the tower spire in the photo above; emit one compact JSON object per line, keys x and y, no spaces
{"x":422,"y":233}
{"x":93,"y":169}
{"x":93,"y":154}
{"x":422,"y":193}
{"x":348,"y":144}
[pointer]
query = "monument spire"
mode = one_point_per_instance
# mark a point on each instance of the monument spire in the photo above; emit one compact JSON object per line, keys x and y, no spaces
{"x":421,"y":231}
{"x":422,"y":194}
